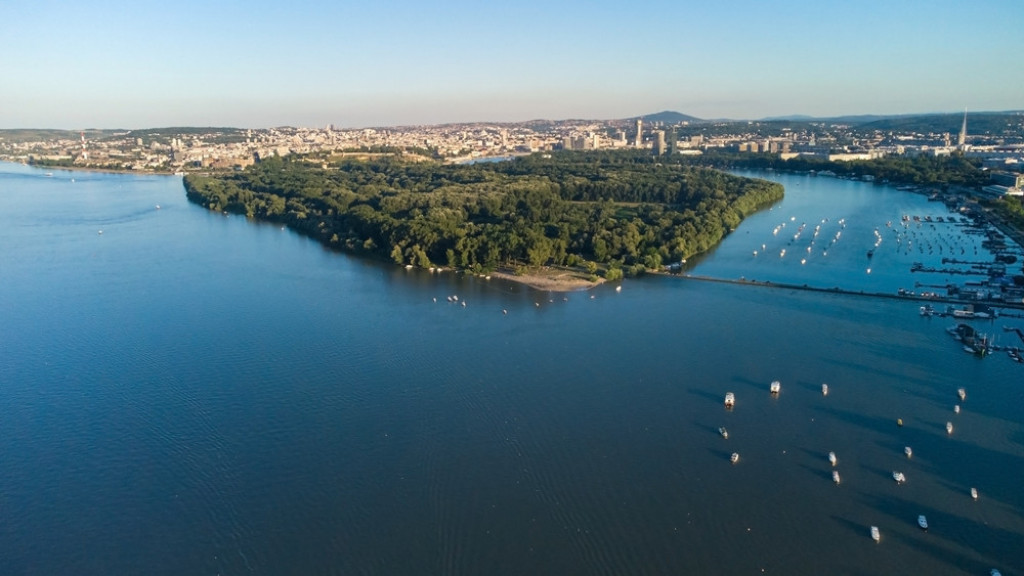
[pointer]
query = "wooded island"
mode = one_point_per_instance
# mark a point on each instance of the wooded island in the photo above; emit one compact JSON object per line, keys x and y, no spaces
{"x":606,"y":213}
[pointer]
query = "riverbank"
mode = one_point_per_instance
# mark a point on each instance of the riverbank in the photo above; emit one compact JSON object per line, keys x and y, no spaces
{"x":551,"y":279}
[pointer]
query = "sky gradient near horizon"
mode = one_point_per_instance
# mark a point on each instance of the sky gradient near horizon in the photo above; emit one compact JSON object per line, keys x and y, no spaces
{"x":137,"y":64}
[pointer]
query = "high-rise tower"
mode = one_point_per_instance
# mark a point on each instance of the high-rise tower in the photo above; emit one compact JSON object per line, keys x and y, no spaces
{"x":962,"y":140}
{"x":639,"y":133}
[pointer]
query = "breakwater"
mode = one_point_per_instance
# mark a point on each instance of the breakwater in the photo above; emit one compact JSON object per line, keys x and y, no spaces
{"x":837,"y":290}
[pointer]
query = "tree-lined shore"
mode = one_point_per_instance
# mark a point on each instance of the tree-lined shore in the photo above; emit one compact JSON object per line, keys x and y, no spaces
{"x":603,"y":213}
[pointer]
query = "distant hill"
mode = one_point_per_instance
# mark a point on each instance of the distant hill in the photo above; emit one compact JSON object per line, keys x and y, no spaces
{"x":977,"y":122}
{"x":993,"y":123}
{"x":667,"y":117}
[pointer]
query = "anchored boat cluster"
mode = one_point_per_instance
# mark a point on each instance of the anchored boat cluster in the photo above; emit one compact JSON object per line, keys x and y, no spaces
{"x":898,"y":476}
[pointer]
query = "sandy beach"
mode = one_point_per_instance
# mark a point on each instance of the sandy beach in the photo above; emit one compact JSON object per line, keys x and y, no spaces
{"x":550,"y":279}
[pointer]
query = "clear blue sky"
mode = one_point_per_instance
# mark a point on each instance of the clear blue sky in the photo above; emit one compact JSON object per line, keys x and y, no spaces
{"x":257,"y":63}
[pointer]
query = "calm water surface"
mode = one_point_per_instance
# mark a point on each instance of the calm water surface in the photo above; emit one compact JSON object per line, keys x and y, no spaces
{"x":189,"y":393}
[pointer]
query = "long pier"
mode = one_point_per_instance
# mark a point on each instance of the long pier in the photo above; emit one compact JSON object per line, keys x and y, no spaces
{"x":838,"y":290}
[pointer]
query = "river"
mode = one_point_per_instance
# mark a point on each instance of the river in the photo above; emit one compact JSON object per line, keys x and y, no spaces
{"x":191,"y":393}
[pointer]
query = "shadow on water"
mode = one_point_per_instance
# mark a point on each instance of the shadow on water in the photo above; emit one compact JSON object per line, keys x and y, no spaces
{"x":756,"y":385}
{"x":820,"y":472}
{"x":950,"y":539}
{"x":863,"y":421}
{"x":713,"y":398}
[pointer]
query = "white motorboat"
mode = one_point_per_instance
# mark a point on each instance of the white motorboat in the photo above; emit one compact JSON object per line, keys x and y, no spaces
{"x":922,"y":522}
{"x":956,"y":409}
{"x":962,"y":394}
{"x":723,"y":432}
{"x":875,"y":534}
{"x":949,"y":427}
{"x":908,"y":451}
{"x":824,"y":389}
{"x":734,"y":458}
{"x":775,"y":386}
{"x":899,"y":477}
{"x":835,"y":476}
{"x":730,"y":399}
{"x":832,"y":458}
{"x":974,"y":493}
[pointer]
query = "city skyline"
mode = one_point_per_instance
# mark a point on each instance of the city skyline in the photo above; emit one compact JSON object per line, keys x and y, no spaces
{"x":258,"y":64}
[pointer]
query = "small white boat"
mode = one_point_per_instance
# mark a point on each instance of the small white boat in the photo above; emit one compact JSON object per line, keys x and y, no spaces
{"x":874,"y":534}
{"x":618,"y":288}
{"x":835,"y":476}
{"x":908,"y":451}
{"x":922,"y":522}
{"x":956,"y":409}
{"x":962,"y":394}
{"x":899,"y":477}
{"x":734,"y":458}
{"x":949,"y":427}
{"x":824,"y":389}
{"x":775,"y":386}
{"x":995,"y":572}
{"x":730,"y":399}
{"x":723,"y":432}
{"x":832,"y":458}
{"x":974,"y":493}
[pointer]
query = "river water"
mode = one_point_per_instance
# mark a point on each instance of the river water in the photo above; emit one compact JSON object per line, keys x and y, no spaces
{"x":190,"y":393}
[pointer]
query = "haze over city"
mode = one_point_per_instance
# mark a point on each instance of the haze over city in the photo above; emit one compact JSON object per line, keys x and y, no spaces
{"x":121,"y":64}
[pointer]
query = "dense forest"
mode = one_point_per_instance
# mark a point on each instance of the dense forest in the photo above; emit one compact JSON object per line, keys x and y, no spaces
{"x":612,"y":212}
{"x":921,"y":170}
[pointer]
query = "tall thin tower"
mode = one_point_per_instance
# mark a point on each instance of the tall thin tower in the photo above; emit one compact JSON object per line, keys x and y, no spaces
{"x":639,"y":133}
{"x":962,"y":139}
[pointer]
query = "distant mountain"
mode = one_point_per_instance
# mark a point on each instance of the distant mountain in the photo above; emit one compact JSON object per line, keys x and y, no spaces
{"x":991,"y":123}
{"x":849,"y":119}
{"x":790,"y":118}
{"x":667,"y":117}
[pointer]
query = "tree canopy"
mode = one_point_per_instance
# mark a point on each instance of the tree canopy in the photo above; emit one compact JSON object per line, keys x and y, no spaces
{"x":619,"y":209}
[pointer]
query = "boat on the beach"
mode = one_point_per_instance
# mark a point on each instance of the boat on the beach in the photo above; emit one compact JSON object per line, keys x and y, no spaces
{"x":730,"y":399}
{"x":875,"y":534}
{"x":922,"y":522}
